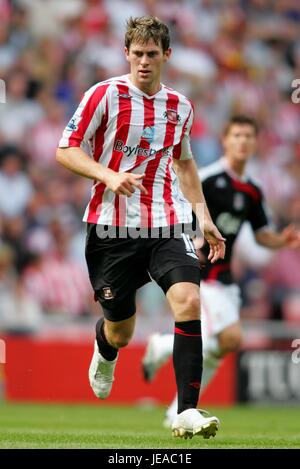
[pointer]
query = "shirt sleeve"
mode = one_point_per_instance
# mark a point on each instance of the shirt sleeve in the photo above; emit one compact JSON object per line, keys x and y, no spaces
{"x":86,"y":119}
{"x":258,"y":216}
{"x":183,"y":151}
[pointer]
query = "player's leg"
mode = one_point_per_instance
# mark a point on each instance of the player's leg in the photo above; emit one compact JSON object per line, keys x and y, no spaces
{"x":114,"y":282}
{"x":111,"y":335}
{"x":220,"y":324}
{"x":230,"y":339}
{"x":221,"y":329}
{"x":215,"y":344}
{"x":113,"y":332}
{"x":174,"y":266}
{"x":184,"y":299}
{"x":215,"y":348}
{"x":160,"y":348}
{"x":221,"y":334}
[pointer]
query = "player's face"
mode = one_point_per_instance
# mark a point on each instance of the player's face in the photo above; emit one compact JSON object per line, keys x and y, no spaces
{"x":146,"y":61}
{"x":240,"y":142}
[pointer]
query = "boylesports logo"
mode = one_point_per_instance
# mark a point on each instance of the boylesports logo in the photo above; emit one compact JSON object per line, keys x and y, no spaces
{"x":136,"y":150}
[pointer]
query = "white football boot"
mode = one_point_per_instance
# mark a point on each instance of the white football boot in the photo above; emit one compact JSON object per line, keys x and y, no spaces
{"x":158,"y":351}
{"x":191,"y":422}
{"x":101,"y":374}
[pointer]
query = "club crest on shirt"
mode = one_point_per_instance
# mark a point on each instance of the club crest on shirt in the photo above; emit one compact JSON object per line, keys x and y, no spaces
{"x":238,"y":201}
{"x":148,"y":134}
{"x":172,"y":116}
{"x":73,"y":123}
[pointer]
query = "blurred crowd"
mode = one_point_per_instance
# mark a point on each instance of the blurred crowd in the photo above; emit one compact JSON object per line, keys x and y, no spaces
{"x":228,"y":56}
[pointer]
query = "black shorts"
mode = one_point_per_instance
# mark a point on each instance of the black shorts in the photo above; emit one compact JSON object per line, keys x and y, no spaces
{"x":119,"y":266}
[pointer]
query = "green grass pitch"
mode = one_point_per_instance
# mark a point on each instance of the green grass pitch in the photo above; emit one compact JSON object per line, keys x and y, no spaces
{"x":99,"y":426}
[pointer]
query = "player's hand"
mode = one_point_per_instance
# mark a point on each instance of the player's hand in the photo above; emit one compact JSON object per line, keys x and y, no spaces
{"x":215,"y":240}
{"x":125,"y":183}
{"x":291,"y":237}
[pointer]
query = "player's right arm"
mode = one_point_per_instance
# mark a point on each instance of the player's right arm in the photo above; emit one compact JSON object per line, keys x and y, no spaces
{"x":265,"y":235}
{"x":75,"y":159}
{"x":288,"y":237}
{"x":87,"y":119}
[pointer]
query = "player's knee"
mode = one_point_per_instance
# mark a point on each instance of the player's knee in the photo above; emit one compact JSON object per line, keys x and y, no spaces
{"x":120,"y":340}
{"x":190,"y":308}
{"x":230,"y":342}
{"x":193,"y":304}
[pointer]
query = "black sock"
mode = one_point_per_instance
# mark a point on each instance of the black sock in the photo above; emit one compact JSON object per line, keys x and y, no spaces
{"x":107,"y":351}
{"x":188,"y":362}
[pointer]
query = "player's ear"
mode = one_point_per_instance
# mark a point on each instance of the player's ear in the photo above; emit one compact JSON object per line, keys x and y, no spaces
{"x":126,"y":53}
{"x":167,"y":54}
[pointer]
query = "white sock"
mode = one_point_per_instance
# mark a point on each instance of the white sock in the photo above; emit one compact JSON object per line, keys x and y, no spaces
{"x":172,"y":410}
{"x":211,"y":360}
{"x":210,"y":366}
{"x":165,"y":346}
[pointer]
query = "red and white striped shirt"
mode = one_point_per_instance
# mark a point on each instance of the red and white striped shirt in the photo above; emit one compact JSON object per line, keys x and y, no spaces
{"x":58,"y":285}
{"x":128,"y":131}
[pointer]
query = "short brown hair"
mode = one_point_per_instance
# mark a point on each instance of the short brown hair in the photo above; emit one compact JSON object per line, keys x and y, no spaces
{"x":241,"y":119}
{"x":144,"y":28}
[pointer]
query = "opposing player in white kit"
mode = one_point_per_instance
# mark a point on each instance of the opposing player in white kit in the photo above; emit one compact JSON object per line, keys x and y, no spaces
{"x":232,"y":198}
{"x":137,"y":131}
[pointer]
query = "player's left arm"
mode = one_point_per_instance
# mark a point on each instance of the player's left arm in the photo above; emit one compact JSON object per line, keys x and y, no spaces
{"x":191,"y":187}
{"x":288,"y":237}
